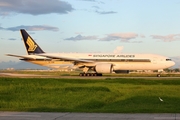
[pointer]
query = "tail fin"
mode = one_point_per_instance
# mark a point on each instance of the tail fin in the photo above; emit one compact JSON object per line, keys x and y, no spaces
{"x":31,"y":46}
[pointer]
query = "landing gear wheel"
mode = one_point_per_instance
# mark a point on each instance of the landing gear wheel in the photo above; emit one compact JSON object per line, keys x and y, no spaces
{"x":82,"y":74}
{"x":94,"y":74}
{"x":90,"y":74}
{"x":158,"y":75}
{"x":99,"y":74}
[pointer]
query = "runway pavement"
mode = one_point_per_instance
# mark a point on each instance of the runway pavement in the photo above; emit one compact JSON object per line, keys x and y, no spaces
{"x":18,"y":75}
{"x":74,"y":77}
{"x":85,"y":116}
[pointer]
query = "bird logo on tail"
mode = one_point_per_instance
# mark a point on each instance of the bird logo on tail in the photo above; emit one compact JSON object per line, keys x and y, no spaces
{"x":31,"y":44}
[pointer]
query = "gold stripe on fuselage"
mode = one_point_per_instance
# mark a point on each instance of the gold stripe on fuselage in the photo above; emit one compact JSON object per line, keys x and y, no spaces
{"x":48,"y":62}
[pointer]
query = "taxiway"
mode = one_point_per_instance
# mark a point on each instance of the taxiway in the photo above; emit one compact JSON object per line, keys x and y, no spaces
{"x":86,"y":116}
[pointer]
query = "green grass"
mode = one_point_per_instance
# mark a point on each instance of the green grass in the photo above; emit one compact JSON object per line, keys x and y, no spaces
{"x":121,"y":95}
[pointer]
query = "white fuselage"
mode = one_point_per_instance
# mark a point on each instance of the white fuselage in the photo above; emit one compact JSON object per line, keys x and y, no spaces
{"x":119,"y":61}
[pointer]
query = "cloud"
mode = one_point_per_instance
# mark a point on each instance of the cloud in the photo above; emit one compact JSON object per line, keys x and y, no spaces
{"x":80,"y":37}
{"x":105,"y":12}
{"x":11,"y":39}
{"x":142,"y":36}
{"x":78,"y":33}
{"x":137,"y":42}
{"x":1,"y":28}
{"x":100,"y":2}
{"x":32,"y":28}
{"x":96,"y":7}
{"x":89,"y":0}
{"x":167,"y":38}
{"x":123,"y":37}
{"x":34,"y":7}
{"x":118,"y":49}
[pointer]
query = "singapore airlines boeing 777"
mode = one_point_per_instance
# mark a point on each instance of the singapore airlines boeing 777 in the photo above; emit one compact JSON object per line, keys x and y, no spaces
{"x":93,"y":64}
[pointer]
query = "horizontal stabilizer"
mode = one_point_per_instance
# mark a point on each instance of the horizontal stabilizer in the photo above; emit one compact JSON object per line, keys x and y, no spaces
{"x":27,"y":56}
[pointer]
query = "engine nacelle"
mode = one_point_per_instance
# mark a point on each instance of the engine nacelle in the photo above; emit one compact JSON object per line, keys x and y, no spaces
{"x":121,"y":71}
{"x":103,"y":68}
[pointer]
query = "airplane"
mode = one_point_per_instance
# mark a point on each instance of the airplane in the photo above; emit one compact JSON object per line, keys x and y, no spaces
{"x":93,"y":64}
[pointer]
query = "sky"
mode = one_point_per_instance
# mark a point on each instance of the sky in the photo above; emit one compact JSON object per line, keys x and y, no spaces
{"x":111,"y":26}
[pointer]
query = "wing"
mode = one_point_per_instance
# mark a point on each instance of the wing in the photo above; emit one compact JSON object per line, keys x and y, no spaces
{"x":65,"y":58}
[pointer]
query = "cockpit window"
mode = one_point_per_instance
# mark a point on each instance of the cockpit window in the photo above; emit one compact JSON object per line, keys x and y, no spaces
{"x":168,"y":60}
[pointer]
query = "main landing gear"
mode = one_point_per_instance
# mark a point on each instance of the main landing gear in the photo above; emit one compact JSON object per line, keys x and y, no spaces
{"x":90,"y":74}
{"x":158,"y":75}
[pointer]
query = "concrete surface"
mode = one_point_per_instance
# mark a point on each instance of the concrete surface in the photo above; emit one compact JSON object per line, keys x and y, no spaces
{"x":86,"y":116}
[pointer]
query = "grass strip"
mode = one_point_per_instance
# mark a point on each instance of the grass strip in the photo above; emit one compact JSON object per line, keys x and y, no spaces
{"x":120,"y":95}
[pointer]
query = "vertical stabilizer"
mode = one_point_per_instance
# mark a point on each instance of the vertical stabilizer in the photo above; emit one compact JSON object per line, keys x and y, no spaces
{"x":31,"y":46}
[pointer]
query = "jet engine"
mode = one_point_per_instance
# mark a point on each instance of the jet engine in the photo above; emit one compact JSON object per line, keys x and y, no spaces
{"x":104,"y":68}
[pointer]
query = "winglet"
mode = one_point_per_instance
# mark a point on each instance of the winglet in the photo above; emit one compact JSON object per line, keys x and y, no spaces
{"x":31,"y":46}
